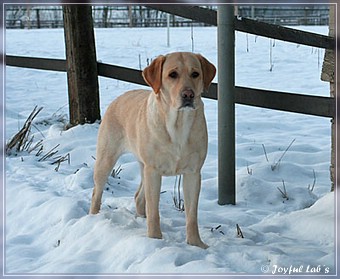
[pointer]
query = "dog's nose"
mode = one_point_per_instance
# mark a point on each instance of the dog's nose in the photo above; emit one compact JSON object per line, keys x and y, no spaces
{"x":188,"y":94}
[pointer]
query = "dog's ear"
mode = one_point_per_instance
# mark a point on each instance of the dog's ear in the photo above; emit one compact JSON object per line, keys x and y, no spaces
{"x":209,"y":71}
{"x":153,"y":73}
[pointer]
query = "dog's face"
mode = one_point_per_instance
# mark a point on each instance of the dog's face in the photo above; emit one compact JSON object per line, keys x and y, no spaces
{"x":180,"y":78}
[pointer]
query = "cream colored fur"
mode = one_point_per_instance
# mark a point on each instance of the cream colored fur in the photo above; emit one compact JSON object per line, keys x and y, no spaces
{"x":167,"y":138}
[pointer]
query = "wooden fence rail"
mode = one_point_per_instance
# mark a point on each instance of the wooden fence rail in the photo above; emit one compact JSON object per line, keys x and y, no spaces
{"x":284,"y":101}
{"x":251,"y":26}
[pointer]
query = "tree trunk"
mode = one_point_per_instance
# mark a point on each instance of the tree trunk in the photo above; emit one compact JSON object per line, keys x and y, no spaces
{"x":82,"y":74}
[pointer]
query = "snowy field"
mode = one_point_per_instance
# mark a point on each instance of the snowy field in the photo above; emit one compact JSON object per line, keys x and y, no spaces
{"x":47,"y":226}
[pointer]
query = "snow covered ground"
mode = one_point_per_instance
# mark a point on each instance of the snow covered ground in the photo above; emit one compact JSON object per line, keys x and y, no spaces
{"x":48,"y":230}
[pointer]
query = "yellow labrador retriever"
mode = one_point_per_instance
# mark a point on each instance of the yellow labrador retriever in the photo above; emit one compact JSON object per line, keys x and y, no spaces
{"x":166,"y":130}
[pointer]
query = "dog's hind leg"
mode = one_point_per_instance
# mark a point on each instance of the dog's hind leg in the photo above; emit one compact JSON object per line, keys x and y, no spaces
{"x":140,"y":195}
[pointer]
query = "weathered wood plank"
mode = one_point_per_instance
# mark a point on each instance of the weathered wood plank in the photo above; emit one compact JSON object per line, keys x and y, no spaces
{"x":36,"y":63}
{"x":299,"y":103}
{"x":284,"y":33}
{"x":284,"y":101}
{"x":187,"y":11}
{"x":251,"y":26}
{"x":290,"y":102}
{"x":121,"y":73}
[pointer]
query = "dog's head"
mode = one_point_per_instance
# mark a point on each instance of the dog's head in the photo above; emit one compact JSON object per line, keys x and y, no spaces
{"x":180,"y":78}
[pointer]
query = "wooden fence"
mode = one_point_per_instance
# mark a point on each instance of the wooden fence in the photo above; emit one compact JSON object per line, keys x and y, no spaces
{"x":299,"y":103}
{"x":251,"y":26}
{"x":103,"y":17}
{"x":296,"y":14}
{"x":291,"y":102}
{"x":37,"y":16}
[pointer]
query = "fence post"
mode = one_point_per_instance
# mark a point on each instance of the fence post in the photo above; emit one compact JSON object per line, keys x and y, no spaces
{"x":29,"y":17}
{"x":226,"y":104}
{"x":252,"y":12}
{"x":328,"y":74}
{"x":38,"y":18}
{"x":168,"y":29}
{"x":82,"y":73}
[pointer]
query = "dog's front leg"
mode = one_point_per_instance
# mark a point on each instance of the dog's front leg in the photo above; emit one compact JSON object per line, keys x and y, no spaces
{"x":191,"y":189}
{"x":152,"y":187}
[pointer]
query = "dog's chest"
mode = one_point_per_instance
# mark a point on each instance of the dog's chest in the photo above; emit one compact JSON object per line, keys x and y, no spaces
{"x":179,"y":126}
{"x":182,"y":153}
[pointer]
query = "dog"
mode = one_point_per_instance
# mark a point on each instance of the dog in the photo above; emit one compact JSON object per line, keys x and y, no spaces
{"x":166,"y":130}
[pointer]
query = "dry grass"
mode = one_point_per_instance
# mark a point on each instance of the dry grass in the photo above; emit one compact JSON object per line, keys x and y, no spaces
{"x":276,"y":165}
{"x":22,"y":140}
{"x":239,"y":231}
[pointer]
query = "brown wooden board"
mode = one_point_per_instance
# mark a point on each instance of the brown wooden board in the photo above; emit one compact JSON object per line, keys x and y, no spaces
{"x":251,"y":26}
{"x":36,"y":63}
{"x":285,"y":101}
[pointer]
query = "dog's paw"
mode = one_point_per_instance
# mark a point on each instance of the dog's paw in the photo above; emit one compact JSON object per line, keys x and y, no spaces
{"x":140,"y":215}
{"x":140,"y":212}
{"x":94,"y":210}
{"x":155,"y":234}
{"x":198,"y":243}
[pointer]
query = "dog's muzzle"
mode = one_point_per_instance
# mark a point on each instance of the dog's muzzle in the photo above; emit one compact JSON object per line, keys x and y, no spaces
{"x":188,"y":97}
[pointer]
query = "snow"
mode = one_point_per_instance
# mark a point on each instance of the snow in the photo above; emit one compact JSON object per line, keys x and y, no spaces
{"x":47,"y":226}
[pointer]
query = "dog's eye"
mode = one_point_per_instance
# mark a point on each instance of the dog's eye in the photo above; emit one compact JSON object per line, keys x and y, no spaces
{"x":173,"y":75}
{"x":195,"y":75}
